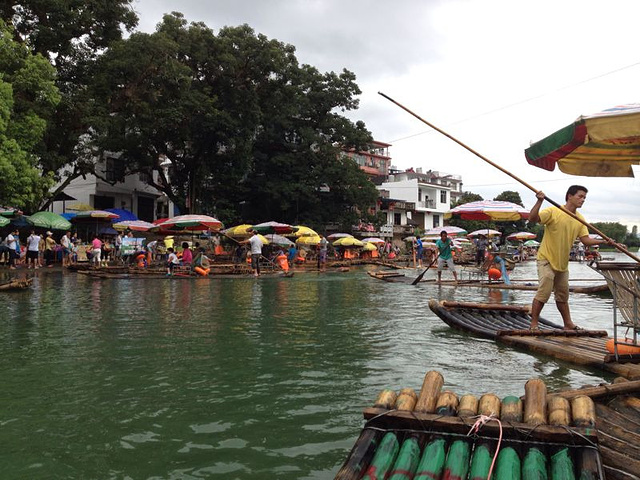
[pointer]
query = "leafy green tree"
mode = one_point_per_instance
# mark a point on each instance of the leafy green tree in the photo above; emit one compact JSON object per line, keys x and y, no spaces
{"x":510,"y":196}
{"x":246,"y":131}
{"x":28,"y":97}
{"x":70,"y":34}
{"x":613,"y":230}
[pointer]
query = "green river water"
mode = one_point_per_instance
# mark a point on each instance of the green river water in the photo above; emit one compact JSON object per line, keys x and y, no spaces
{"x":235,"y":378}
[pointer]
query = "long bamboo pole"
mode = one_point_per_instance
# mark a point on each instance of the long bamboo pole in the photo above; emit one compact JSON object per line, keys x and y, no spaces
{"x":518,"y":179}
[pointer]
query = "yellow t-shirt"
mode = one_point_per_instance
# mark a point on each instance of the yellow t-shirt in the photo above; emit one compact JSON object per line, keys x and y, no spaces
{"x":560,"y":231}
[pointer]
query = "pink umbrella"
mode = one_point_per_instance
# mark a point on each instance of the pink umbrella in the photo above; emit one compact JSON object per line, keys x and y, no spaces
{"x":489,"y":210}
{"x":274,"y":227}
{"x":335,"y":236}
{"x":451,"y":231}
{"x":134,"y":225}
{"x":487,"y":232}
{"x":372,"y":240}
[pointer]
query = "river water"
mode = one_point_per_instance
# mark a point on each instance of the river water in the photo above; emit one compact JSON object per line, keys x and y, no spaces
{"x":235,"y":378}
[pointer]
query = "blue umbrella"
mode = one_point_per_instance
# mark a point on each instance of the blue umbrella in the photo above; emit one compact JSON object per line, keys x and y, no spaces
{"x":124,"y":215}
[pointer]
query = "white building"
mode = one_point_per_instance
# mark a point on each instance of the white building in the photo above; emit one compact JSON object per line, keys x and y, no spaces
{"x":133,"y":193}
{"x":419,"y":199}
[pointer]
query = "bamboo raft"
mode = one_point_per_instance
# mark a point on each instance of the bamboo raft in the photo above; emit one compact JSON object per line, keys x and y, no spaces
{"x":509,"y":324}
{"x":14,"y":285}
{"x":588,"y":433}
{"x":395,"y":277}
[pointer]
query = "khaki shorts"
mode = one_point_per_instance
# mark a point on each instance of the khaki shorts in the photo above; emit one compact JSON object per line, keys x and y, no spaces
{"x":449,"y":262}
{"x":549,"y":281}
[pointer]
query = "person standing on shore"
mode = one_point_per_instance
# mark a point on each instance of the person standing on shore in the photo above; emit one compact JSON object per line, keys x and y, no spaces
{"x":560,"y":230}
{"x":33,"y":250}
{"x":65,"y":242}
{"x":443,"y":246}
{"x":256,"y":252}
{"x":49,"y":249}
{"x":12,"y":243}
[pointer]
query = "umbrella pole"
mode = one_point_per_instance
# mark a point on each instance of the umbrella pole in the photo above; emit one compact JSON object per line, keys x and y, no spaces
{"x":516,"y":178}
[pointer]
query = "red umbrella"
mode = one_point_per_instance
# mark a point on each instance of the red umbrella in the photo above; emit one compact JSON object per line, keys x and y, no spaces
{"x":273,"y":227}
{"x":189,"y":223}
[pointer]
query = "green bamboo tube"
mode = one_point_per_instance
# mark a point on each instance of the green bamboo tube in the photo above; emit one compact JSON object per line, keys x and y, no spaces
{"x":456,"y":465}
{"x":480,"y":462}
{"x":360,"y":455}
{"x":562,"y":466}
{"x":386,"y":399}
{"x":432,"y":462}
{"x":511,"y":409}
{"x":507,"y":465}
{"x":468,"y":406}
{"x":406,"y":400}
{"x":383,"y":459}
{"x":407,"y":461}
{"x":534,"y":466}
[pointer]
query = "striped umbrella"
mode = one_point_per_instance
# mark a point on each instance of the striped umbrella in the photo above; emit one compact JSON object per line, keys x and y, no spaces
{"x":335,"y":236}
{"x":273,"y":227}
{"x":134,"y":225}
{"x":489,"y":210}
{"x":487,"y":232}
{"x":190,"y":223}
{"x":451,"y":231}
{"x":279,"y":240}
{"x":372,"y":240}
{"x":604,"y":144}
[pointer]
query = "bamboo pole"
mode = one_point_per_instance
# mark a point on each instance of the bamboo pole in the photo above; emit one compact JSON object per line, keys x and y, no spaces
{"x":516,"y":178}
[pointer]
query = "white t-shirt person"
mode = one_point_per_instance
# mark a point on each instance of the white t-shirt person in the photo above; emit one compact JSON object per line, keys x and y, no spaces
{"x":33,"y":242}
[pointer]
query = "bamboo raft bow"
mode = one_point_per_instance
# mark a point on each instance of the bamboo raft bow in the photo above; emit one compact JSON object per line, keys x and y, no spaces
{"x":518,"y":179}
{"x":509,"y":324}
{"x":434,"y":433}
{"x":21,"y":284}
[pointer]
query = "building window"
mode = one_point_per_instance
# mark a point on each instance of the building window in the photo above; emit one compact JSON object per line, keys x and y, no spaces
{"x":436,"y":221}
{"x":102,"y":202}
{"x":443,"y":196}
{"x":419,"y":195}
{"x":397,"y":219}
{"x":114,"y":171}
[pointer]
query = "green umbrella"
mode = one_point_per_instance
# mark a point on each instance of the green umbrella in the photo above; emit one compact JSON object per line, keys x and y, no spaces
{"x":4,"y":221}
{"x":49,"y":220}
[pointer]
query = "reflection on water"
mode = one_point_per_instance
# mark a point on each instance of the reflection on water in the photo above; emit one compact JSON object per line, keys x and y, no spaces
{"x":235,"y":377}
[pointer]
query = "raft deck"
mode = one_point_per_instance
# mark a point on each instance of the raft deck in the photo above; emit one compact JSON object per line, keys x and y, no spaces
{"x":509,"y":325}
{"x":584,"y":433}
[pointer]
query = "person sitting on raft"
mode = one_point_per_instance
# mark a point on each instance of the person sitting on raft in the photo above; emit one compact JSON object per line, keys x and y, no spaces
{"x":187,"y":254}
{"x":201,"y":263}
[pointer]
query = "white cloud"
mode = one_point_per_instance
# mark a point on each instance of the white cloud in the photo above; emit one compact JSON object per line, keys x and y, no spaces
{"x":497,"y":74}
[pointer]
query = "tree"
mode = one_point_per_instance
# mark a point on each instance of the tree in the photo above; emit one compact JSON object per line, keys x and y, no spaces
{"x":70,"y":35}
{"x":613,"y":230}
{"x":238,"y":120}
{"x":510,"y":196}
{"x":28,"y":98}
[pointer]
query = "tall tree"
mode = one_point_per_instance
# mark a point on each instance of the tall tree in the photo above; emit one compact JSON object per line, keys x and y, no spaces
{"x":70,"y":34}
{"x":230,"y":119}
{"x":28,"y":98}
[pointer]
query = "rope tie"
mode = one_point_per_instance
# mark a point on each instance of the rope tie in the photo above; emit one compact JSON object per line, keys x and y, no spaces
{"x":480,"y":422}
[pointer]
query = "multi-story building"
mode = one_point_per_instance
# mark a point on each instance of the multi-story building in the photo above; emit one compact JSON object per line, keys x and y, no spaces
{"x":375,"y":161}
{"x":418,"y":200}
{"x":132,"y":193}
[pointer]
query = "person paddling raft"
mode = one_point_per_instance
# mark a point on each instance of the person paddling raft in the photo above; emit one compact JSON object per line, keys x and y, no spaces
{"x":560,"y":230}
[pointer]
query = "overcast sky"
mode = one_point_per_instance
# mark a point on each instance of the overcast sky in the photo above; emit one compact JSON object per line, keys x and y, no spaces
{"x":496,"y":74}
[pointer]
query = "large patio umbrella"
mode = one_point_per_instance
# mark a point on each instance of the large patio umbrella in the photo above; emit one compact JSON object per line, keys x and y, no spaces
{"x":604,"y":144}
{"x":309,"y":240}
{"x":49,"y":220}
{"x":95,"y":214}
{"x":4,"y":221}
{"x":303,"y":231}
{"x":133,"y":225}
{"x":348,"y":242}
{"x":273,"y":227}
{"x":487,"y":232}
{"x":189,"y":223}
{"x":520,"y":236}
{"x":239,"y":231}
{"x":489,"y":210}
{"x":123,"y":215}
{"x":372,"y":240}
{"x":451,"y":231}
{"x":335,"y":236}
{"x":275,"y":239}
{"x":531,"y":243}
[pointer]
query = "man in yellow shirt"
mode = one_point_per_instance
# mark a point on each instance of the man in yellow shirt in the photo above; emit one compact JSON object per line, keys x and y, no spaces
{"x":560,"y":230}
